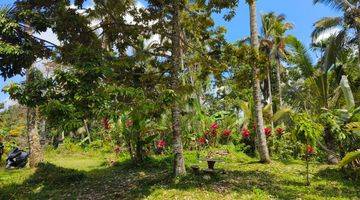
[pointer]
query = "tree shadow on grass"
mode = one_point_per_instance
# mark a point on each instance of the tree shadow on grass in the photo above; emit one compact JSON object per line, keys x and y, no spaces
{"x":127,"y":181}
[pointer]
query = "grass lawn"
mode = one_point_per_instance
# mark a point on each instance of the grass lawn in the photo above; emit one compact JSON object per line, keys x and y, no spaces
{"x":86,"y":176}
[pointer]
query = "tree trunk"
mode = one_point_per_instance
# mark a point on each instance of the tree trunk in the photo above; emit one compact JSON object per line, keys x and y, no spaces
{"x":261,"y":139}
{"x":331,"y":145}
{"x":139,"y":155}
{"x":36,"y":154}
{"x":86,"y":126}
{"x":278,"y":79}
{"x":179,"y":163}
{"x":270,"y":97}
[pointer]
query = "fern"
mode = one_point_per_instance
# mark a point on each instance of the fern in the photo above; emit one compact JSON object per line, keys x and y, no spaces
{"x":349,"y":158}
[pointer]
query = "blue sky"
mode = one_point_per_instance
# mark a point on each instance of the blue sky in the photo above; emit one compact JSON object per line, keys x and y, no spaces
{"x":302,"y":13}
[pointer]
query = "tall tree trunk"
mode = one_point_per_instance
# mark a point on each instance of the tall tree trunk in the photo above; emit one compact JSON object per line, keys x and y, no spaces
{"x":86,"y":126}
{"x":260,"y":135}
{"x":278,"y":79}
{"x":36,"y":153}
{"x":358,"y":33}
{"x":270,"y":97}
{"x":179,"y":162}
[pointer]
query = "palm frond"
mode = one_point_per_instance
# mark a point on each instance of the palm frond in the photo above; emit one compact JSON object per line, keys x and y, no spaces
{"x":247,"y":111}
{"x":325,"y":25}
{"x":337,"y":4}
{"x":300,"y":56}
{"x":349,"y":97}
{"x":281,"y":114}
{"x":333,"y":49}
{"x":353,"y":126}
{"x":349,"y":158}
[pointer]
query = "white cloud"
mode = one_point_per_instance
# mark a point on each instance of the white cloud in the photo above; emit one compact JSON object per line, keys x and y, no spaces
{"x":327,"y":34}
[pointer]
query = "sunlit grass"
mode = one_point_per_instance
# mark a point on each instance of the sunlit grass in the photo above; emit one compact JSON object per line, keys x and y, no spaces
{"x":86,"y":175}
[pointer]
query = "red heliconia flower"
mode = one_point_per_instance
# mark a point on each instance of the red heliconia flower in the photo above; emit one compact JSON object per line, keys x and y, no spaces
{"x":160,"y":144}
{"x":245,"y":133}
{"x":214,"y":126}
{"x":267,"y":131}
{"x":105,"y":122}
{"x":202,"y":140}
{"x":117,"y":149}
{"x":227,"y":132}
{"x":310,"y":149}
{"x":129,"y":123}
{"x":280,"y":131}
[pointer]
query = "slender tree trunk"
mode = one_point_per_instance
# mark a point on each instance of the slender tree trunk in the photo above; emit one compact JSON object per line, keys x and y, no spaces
{"x":43,"y":134}
{"x":358,"y":33}
{"x":270,"y":97}
{"x":179,"y":162}
{"x":86,"y":126}
{"x":330,"y":143}
{"x":278,"y":79}
{"x":261,"y":138}
{"x":36,"y":153}
{"x":139,"y":154}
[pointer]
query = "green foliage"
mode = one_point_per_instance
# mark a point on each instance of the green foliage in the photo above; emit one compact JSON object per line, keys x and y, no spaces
{"x":306,"y":130}
{"x":349,"y":158}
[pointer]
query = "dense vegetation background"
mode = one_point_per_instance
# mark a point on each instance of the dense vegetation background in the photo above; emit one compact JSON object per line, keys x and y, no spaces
{"x":158,"y":88}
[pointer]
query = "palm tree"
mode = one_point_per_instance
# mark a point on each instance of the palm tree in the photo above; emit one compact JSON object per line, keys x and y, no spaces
{"x":348,"y":22}
{"x":261,"y":139}
{"x":274,"y":42}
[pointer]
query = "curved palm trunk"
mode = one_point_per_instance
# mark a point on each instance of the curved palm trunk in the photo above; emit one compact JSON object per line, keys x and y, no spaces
{"x":261,"y":139}
{"x":278,"y":79}
{"x":179,"y":162}
{"x":270,"y":96}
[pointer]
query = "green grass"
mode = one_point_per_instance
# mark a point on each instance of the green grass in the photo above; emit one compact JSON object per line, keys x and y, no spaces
{"x":85,"y":176}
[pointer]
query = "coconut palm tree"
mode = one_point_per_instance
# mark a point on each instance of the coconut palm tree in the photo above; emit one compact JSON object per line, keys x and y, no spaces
{"x":273,"y":41}
{"x":346,"y":24}
{"x":261,"y":138}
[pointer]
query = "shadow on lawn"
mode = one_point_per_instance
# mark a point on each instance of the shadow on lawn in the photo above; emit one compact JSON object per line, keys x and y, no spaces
{"x":126,"y":181}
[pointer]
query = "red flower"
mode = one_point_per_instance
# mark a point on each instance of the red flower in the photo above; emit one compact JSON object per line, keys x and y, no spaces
{"x":310,"y":149}
{"x":227,"y":132}
{"x":245,"y":133}
{"x":202,"y":140}
{"x":160,"y":144}
{"x":214,"y":126}
{"x":105,"y":122}
{"x":267,"y":131}
{"x":129,"y":123}
{"x":280,"y":131}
